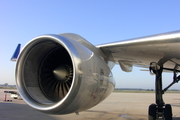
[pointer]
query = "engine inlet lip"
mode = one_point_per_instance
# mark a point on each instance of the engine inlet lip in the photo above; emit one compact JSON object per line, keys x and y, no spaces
{"x":21,"y":86}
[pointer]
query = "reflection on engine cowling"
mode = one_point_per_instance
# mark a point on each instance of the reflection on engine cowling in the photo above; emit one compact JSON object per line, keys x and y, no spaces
{"x":61,"y":74}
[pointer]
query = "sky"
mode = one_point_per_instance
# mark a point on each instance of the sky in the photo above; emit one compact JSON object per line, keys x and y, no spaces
{"x":98,"y":21}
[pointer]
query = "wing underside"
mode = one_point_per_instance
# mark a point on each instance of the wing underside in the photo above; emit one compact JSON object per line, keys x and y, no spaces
{"x":161,"y":48}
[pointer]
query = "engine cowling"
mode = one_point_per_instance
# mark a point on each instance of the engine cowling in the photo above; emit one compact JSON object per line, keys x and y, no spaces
{"x":61,"y":74}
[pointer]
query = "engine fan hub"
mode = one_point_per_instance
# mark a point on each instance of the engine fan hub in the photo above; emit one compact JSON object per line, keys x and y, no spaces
{"x":61,"y":73}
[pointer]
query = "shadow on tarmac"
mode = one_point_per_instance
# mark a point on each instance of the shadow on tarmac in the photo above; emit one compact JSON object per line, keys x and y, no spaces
{"x":14,"y":111}
{"x":176,"y":118}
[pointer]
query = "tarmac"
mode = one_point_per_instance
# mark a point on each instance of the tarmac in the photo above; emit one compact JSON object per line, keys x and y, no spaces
{"x":118,"y":106}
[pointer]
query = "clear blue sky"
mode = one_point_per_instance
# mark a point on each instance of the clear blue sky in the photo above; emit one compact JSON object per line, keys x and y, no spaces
{"x":98,"y":21}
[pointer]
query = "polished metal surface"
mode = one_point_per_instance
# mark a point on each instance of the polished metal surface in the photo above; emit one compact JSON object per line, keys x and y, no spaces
{"x":61,"y":74}
{"x":142,"y":51}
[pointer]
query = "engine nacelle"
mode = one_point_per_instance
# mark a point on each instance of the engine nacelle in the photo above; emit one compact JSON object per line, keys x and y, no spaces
{"x":61,"y":74}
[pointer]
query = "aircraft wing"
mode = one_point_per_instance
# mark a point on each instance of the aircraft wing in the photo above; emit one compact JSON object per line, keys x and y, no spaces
{"x":142,"y":51}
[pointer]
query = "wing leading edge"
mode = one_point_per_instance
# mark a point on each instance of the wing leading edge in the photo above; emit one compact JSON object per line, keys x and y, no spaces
{"x":142,"y":51}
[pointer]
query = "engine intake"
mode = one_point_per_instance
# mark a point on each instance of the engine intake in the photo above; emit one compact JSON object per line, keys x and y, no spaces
{"x":56,"y":74}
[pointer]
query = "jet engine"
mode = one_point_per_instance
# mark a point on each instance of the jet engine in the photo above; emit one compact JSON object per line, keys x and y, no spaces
{"x":61,"y":74}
